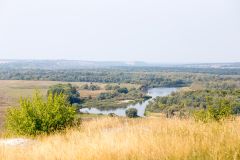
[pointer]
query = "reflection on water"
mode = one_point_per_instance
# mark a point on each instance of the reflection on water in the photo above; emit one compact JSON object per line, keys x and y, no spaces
{"x":154,"y":92}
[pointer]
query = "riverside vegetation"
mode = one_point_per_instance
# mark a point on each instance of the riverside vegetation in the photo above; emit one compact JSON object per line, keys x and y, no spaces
{"x":207,"y":103}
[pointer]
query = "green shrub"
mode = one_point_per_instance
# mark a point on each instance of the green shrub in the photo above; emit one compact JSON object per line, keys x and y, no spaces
{"x":112,"y":87}
{"x":85,"y":86}
{"x":71,"y":92}
{"x":222,"y":110}
{"x":123,"y":90}
{"x":94,"y":87}
{"x":116,"y":87}
{"x":91,"y":87}
{"x":36,"y":115}
{"x":236,"y":109}
{"x":131,"y":113}
{"x":103,"y":96}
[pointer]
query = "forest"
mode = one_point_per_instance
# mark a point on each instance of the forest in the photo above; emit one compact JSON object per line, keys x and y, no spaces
{"x":148,"y":77}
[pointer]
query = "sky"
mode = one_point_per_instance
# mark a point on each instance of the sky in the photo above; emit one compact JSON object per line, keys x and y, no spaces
{"x":163,"y":31}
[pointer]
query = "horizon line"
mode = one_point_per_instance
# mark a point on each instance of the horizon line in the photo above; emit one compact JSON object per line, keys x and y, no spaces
{"x":147,"y":62}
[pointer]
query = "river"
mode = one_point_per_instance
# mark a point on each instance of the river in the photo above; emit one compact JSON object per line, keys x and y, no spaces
{"x":153,"y":92}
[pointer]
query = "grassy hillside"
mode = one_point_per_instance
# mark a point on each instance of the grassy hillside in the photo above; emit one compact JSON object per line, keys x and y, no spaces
{"x":139,"y":139}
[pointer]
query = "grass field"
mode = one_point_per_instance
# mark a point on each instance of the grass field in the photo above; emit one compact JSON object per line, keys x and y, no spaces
{"x":12,"y":90}
{"x":138,"y":139}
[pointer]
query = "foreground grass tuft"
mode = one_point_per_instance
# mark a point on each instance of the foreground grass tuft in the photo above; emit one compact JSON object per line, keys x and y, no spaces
{"x":140,"y":139}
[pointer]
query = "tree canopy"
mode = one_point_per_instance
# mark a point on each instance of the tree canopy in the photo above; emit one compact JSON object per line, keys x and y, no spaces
{"x":71,"y":92}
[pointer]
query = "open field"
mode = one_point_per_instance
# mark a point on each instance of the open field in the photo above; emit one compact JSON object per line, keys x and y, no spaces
{"x":12,"y":90}
{"x":139,"y":139}
{"x":17,"y":88}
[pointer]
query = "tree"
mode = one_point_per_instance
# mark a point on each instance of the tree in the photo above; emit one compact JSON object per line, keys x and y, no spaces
{"x":94,"y":87}
{"x":85,"y":86}
{"x":37,"y":115}
{"x":131,"y":113}
{"x":123,"y":90}
{"x":221,"y":110}
{"x":71,"y":92}
{"x":103,"y":96}
{"x":108,"y":87}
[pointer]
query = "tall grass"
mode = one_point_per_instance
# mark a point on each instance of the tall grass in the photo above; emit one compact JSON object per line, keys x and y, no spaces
{"x":139,"y":139}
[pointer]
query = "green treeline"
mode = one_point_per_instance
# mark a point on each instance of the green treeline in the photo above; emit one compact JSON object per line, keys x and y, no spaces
{"x":103,"y":76}
{"x":188,"y":101}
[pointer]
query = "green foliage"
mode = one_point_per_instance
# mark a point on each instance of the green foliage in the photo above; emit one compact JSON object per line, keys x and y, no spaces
{"x":150,"y":77}
{"x":116,"y":87}
{"x":131,"y":113}
{"x":91,"y":87}
{"x":36,"y":115}
{"x":236,"y":109}
{"x":195,"y":100}
{"x":94,"y":87}
{"x":123,"y":90}
{"x":220,"y":111}
{"x":114,"y":99}
{"x":108,"y":87}
{"x":112,"y":87}
{"x":103,"y":96}
{"x":70,"y":91}
{"x":85,"y":86}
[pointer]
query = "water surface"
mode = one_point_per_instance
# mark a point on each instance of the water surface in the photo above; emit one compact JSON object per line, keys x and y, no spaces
{"x":154,"y":92}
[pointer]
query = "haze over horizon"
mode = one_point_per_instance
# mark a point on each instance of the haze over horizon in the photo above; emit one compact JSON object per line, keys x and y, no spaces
{"x":154,"y":31}
{"x":123,"y":61}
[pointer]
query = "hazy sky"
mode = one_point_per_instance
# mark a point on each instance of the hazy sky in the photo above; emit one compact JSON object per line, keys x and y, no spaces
{"x":130,"y":30}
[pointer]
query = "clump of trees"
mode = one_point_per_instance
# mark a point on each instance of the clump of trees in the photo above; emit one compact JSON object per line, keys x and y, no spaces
{"x":131,"y":113}
{"x":71,"y":92}
{"x":37,"y":116}
{"x":116,"y":98}
{"x":144,"y":76}
{"x":205,"y":105}
{"x":103,"y":96}
{"x":122,"y":90}
{"x":91,"y":87}
{"x":220,"y":111}
{"x":112,"y":87}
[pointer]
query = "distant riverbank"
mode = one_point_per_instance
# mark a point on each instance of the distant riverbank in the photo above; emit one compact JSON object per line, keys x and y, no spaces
{"x":153,"y":92}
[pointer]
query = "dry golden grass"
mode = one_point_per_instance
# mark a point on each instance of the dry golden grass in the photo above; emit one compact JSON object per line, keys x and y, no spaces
{"x":139,"y":139}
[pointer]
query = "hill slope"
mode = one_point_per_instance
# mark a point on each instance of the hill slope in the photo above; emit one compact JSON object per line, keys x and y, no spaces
{"x":139,"y":139}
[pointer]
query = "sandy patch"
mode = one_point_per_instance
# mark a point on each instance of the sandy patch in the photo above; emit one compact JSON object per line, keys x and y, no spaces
{"x":126,"y":101}
{"x":15,"y":141}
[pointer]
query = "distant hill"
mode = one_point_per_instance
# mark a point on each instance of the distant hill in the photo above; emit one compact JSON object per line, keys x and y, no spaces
{"x":215,"y":65}
{"x":78,"y":64}
{"x":64,"y":64}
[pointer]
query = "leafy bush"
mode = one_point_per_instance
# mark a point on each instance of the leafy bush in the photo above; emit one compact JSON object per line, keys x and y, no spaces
{"x":123,"y":90}
{"x":85,"y":86}
{"x":221,"y":111}
{"x":67,"y":89}
{"x":112,"y":115}
{"x":103,"y":96}
{"x":112,"y":87}
{"x":131,"y":113}
{"x":236,"y":109}
{"x":36,"y":115}
{"x":94,"y":87}
{"x":91,"y":87}
{"x":108,"y":87}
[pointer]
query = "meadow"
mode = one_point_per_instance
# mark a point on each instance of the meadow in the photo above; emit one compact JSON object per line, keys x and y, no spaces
{"x":150,"y":138}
